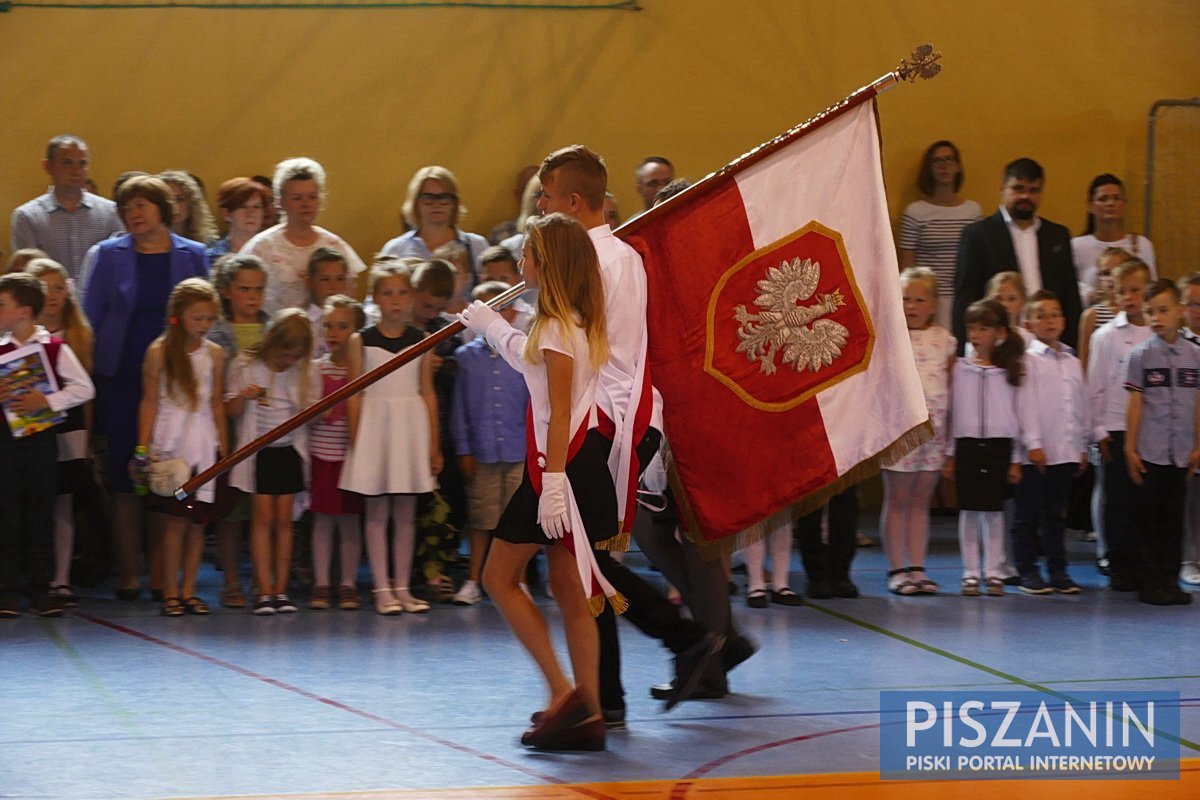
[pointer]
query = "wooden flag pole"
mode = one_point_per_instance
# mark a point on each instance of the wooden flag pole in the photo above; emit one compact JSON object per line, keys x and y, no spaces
{"x":405,"y":356}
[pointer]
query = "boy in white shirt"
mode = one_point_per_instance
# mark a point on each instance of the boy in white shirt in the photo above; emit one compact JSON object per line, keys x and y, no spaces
{"x":1107,"y":362}
{"x":1189,"y":572}
{"x":1054,"y":432}
{"x":29,"y":463}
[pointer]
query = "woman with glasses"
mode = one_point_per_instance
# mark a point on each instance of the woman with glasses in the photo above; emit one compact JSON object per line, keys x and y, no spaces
{"x":930,"y":228}
{"x":285,"y":248}
{"x":243,"y":202}
{"x":432,"y":211}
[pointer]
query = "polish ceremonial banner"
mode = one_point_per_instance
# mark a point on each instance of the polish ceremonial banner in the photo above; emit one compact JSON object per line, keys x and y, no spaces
{"x":777,"y":333}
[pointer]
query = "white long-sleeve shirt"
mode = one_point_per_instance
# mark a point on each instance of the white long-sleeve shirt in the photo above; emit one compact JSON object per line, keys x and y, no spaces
{"x":1052,"y":404}
{"x":983,"y":405}
{"x":74,"y":384}
{"x":1108,"y":362}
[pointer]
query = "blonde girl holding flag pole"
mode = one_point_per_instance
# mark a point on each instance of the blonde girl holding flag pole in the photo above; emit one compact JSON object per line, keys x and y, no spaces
{"x":566,"y":501}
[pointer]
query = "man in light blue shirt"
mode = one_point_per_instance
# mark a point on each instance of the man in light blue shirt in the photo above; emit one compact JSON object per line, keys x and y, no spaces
{"x":66,"y":220}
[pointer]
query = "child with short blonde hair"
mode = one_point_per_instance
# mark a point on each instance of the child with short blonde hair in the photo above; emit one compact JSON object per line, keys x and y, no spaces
{"x":330,"y":436}
{"x":909,"y":482}
{"x":394,"y":450}
{"x":269,"y":383}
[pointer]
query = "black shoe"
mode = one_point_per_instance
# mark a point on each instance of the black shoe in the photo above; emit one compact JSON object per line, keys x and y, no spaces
{"x":614,"y":718}
{"x":820,"y":589}
{"x":736,"y":650}
{"x":690,"y":666}
{"x":845,"y":588}
{"x":757,"y":598}
{"x":665,"y":691}
{"x":47,"y":605}
{"x":10,"y":606}
{"x":786,"y":597}
{"x":1119,"y":583}
{"x":1178,"y":596}
{"x":1157,"y":596}
{"x":1012,"y":580}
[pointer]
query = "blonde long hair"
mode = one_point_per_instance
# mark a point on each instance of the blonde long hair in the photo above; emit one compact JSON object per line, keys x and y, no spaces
{"x":570,"y":290}
{"x":289,"y":329}
{"x":177,"y":365}
{"x":76,"y":330}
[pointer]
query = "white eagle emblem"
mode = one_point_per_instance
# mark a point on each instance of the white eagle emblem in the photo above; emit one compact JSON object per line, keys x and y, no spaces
{"x":784,"y":324}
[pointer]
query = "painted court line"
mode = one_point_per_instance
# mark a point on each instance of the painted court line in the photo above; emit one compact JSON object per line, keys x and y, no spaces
{"x":278,"y":684}
{"x":964,"y":661}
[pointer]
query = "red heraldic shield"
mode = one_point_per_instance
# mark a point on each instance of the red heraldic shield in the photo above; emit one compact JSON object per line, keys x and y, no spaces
{"x":777,"y":335}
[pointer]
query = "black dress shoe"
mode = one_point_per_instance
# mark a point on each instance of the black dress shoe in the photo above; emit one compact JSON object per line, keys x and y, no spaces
{"x":1156,"y":596}
{"x":820,"y":589}
{"x":664,"y":691}
{"x":736,"y":650}
{"x":583,"y":736}
{"x":690,"y":666}
{"x":1179,"y":596}
{"x":572,"y":712}
{"x":786,"y":597}
{"x":845,"y":588}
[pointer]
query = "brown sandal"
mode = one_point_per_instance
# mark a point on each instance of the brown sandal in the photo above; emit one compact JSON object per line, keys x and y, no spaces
{"x":196,"y":607}
{"x":172,"y":607}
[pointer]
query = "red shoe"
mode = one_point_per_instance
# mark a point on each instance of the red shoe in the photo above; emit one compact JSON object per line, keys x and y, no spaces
{"x":586,"y":736}
{"x":572,"y":712}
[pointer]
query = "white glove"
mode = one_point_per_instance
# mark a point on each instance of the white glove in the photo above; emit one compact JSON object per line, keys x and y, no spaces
{"x":478,"y":316}
{"x":552,"y":505}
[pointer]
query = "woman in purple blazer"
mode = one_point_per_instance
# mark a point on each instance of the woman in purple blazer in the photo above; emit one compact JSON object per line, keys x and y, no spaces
{"x":125,"y":299}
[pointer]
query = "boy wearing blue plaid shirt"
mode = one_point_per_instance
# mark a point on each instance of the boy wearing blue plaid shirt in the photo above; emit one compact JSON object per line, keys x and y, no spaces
{"x":1161,"y":445}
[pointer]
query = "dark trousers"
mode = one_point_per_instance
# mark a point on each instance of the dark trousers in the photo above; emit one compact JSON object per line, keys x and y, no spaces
{"x":1041,"y":503}
{"x":1158,"y":541}
{"x":28,"y":486}
{"x":1118,"y":533}
{"x":829,"y":561}
{"x":650,"y":612}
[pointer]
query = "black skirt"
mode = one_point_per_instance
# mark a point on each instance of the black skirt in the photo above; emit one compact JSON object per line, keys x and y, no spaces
{"x":278,"y":471}
{"x":591,"y":484}
{"x":981,"y":473}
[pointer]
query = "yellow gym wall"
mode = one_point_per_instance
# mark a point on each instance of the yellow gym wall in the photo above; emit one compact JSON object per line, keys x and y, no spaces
{"x":374,"y":94}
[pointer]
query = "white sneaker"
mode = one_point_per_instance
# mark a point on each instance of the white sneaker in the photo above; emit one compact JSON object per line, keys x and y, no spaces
{"x":1190,"y":573}
{"x":467,"y":595}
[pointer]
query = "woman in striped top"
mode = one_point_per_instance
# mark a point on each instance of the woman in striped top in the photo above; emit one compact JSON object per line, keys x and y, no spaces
{"x":930,"y":228}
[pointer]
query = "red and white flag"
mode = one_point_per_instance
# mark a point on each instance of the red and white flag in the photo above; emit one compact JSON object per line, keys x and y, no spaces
{"x":777,"y":333}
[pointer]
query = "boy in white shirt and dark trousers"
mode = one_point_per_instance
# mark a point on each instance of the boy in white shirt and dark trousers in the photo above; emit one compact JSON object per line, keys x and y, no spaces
{"x":1162,"y":444}
{"x":1107,"y":363}
{"x":29,"y":464}
{"x":1050,"y":405}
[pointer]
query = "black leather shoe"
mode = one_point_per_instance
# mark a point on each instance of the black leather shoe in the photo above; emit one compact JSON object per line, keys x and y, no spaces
{"x":820,"y":589}
{"x":664,"y":691}
{"x":1118,"y":583}
{"x":690,"y":666}
{"x":736,"y":650}
{"x":845,"y":588}
{"x":1156,"y":596}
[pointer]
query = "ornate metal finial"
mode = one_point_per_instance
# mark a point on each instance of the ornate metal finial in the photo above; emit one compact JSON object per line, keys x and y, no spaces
{"x":921,"y":64}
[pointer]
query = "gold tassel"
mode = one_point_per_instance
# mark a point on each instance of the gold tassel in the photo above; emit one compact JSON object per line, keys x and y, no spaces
{"x":618,"y":602}
{"x":615,"y":544}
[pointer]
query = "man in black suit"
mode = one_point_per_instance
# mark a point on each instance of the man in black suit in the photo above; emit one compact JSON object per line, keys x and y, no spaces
{"x":1016,"y":238}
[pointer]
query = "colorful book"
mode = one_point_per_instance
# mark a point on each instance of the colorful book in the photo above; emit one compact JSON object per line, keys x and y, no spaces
{"x":27,"y":369}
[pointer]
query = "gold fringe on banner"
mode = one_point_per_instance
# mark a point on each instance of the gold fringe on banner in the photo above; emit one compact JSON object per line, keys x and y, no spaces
{"x":726,"y":545}
{"x":618,"y":602}
{"x":615,"y":544}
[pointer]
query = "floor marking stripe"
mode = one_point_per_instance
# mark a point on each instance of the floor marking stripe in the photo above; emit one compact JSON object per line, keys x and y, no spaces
{"x":145,"y":637}
{"x":966,"y":661}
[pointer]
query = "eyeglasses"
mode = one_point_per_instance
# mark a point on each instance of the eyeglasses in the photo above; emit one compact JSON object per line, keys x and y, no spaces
{"x":440,"y":197}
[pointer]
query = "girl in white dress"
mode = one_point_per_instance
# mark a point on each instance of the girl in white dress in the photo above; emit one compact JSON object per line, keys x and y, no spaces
{"x":567,"y":490}
{"x":181,"y":417}
{"x":394,"y":452}
{"x":269,"y":383}
{"x":908,"y":484}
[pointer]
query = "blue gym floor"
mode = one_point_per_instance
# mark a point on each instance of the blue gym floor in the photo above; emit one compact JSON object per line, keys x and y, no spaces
{"x":115,"y":701}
